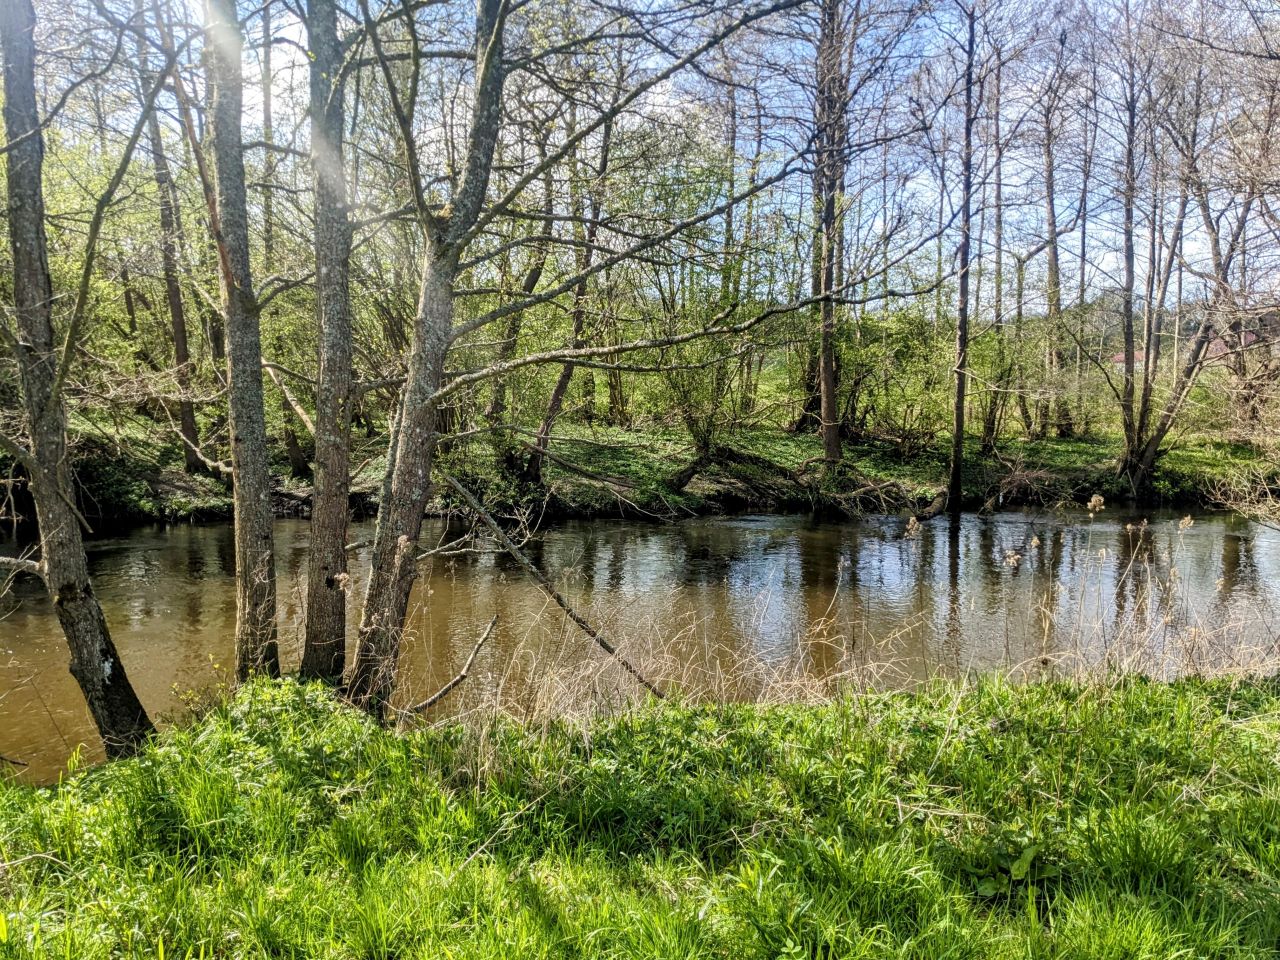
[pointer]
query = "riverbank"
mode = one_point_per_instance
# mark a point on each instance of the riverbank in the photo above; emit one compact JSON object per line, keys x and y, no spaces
{"x":607,"y":472}
{"x":1134,"y":820}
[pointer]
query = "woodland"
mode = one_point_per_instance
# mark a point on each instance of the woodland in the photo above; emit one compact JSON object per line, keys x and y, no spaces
{"x":528,"y":255}
{"x":507,"y":262}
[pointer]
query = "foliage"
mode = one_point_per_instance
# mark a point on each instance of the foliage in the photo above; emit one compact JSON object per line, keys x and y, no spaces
{"x":1132,"y":820}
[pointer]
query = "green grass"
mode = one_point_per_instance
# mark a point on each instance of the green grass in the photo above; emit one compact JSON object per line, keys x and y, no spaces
{"x":125,"y":472}
{"x":784,"y":472}
{"x":1136,"y":820}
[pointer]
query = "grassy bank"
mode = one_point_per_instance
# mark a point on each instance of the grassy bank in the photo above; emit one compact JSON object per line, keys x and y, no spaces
{"x":1137,"y":820}
{"x":131,"y":475}
{"x":762,"y":470}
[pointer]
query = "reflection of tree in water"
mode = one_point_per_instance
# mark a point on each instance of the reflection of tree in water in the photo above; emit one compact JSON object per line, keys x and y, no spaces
{"x":226,"y":552}
{"x":1046,"y":586}
{"x":709,"y":552}
{"x":822,"y":641}
{"x":917,"y":634}
{"x":1238,"y":570}
{"x":991,"y":568}
{"x":616,"y":566}
{"x":953,"y":637}
{"x":1134,"y":551}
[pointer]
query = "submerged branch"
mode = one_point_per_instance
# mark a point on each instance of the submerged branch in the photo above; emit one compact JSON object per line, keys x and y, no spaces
{"x":601,"y":641}
{"x":448,"y":688}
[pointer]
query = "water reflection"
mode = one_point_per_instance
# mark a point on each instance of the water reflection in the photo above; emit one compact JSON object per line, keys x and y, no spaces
{"x":727,"y":608}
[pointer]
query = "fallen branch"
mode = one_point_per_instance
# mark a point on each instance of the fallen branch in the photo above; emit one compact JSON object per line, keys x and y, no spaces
{"x":19,"y":565}
{"x":938,"y":504}
{"x":851,"y":501}
{"x":549,"y":588}
{"x":572,"y":467}
{"x":444,"y":691}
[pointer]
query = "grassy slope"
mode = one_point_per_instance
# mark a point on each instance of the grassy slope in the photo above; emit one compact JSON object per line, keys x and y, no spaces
{"x":127,"y":473}
{"x":1133,"y":821}
{"x":1054,"y":471}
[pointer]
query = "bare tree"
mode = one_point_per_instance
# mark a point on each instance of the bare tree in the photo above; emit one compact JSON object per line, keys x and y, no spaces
{"x":972,"y":100}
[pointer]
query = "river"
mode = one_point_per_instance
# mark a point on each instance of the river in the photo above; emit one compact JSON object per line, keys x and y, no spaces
{"x":753,"y":607}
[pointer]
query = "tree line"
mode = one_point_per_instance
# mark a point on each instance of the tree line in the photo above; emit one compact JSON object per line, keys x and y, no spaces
{"x":458,"y":229}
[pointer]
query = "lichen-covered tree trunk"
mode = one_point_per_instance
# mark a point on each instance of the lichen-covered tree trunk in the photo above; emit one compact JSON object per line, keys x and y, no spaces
{"x":117,"y":712}
{"x":256,"y":647}
{"x":394,"y":563}
{"x":407,"y":481}
{"x":324,"y":646}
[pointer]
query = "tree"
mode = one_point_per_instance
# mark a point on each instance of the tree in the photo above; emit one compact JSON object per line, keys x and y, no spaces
{"x":257,"y":651}
{"x":448,"y":229}
{"x":972,"y":98}
{"x":167,"y":204}
{"x":831,"y":152}
{"x":407,"y":481}
{"x":324,"y":645}
{"x":95,"y":663}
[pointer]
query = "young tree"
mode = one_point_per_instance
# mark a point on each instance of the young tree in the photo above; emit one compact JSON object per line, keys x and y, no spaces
{"x":407,"y":482}
{"x":831,"y":156}
{"x":167,"y":204}
{"x":972,"y":99}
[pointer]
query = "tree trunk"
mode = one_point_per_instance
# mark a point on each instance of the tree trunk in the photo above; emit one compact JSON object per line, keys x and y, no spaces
{"x":1129,"y":189}
{"x":406,"y":483}
{"x":498,"y":401}
{"x":324,"y":644}
{"x":173,"y":297}
{"x":1056,"y":358}
{"x":830,"y":111}
{"x":118,"y":714}
{"x":955,"y":485}
{"x":585,"y":256}
{"x":256,"y":647}
{"x":996,"y":397}
{"x":407,"y":487}
{"x":268,"y":154}
{"x":166,"y":196}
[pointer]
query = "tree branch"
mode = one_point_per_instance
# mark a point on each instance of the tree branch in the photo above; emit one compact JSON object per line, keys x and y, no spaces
{"x":444,"y":691}
{"x":549,"y":589}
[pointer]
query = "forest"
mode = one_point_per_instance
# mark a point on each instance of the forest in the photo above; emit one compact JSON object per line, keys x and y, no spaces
{"x":369,"y":263}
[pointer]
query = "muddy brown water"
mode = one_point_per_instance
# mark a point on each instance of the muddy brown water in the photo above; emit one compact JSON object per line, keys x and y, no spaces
{"x":725,"y":607}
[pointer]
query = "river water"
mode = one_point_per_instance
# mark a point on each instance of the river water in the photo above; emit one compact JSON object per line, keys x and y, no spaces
{"x":740,"y":608}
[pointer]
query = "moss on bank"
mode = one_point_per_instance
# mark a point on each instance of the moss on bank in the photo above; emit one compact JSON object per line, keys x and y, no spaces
{"x":1137,"y":820}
